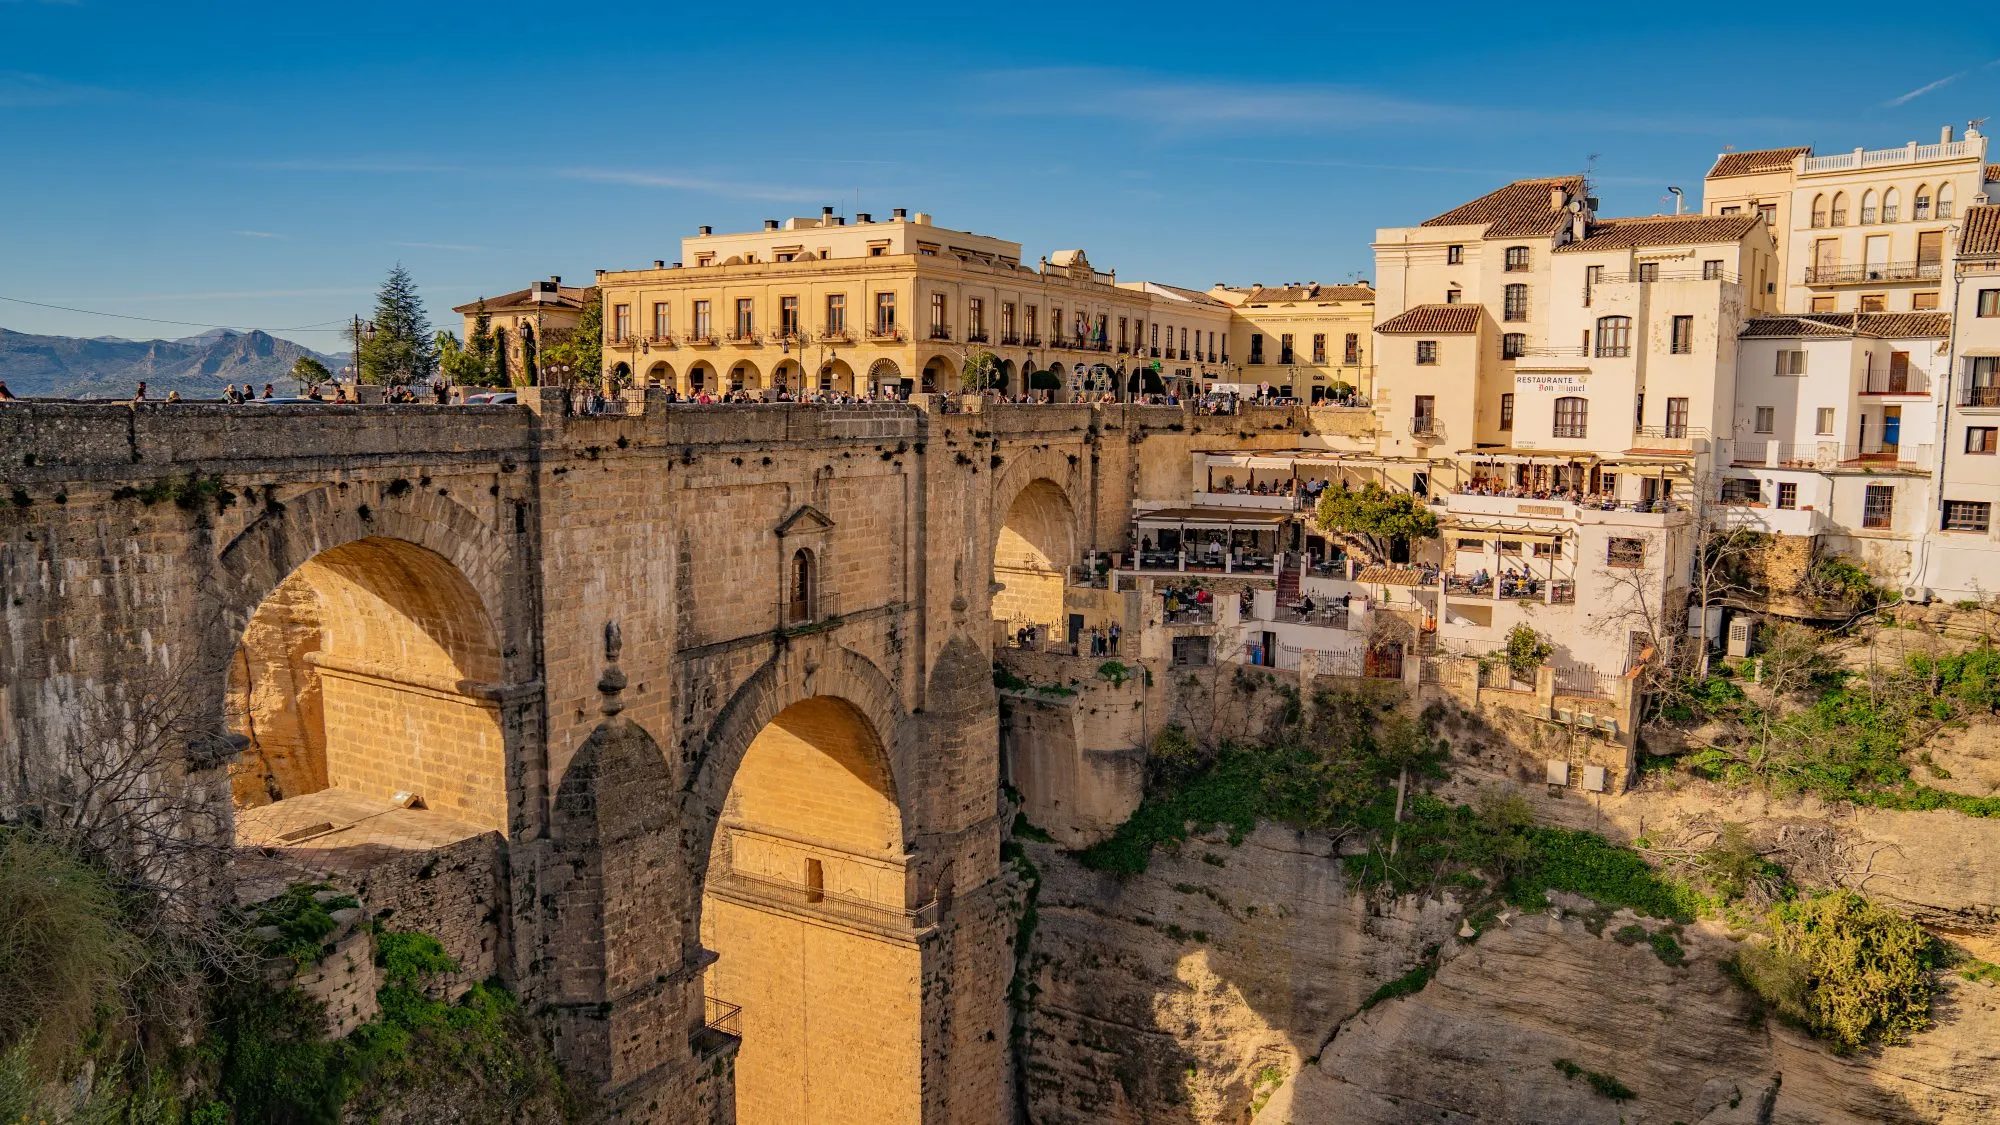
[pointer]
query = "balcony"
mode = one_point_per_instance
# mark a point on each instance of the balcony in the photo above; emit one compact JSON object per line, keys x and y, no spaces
{"x":975,"y":337}
{"x":796,"y":616}
{"x":1325,"y":614}
{"x":1009,"y":340}
{"x":1906,"y":382}
{"x":1835,"y":456}
{"x":1031,"y":341}
{"x":1776,"y":521}
{"x":940,"y":332}
{"x":1426,"y":428}
{"x":835,"y":335}
{"x":1911,"y":153}
{"x":744,"y":336}
{"x":721,"y":1029}
{"x":1875,"y":273}
{"x":1979,"y":397}
{"x":660,"y":340}
{"x":702,"y":340}
{"x":885,"y":332}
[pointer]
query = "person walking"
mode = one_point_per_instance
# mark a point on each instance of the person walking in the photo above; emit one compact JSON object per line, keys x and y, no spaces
{"x":1113,"y":635}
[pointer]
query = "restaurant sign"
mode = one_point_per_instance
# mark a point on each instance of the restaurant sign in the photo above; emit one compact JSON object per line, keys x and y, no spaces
{"x":1553,"y":382}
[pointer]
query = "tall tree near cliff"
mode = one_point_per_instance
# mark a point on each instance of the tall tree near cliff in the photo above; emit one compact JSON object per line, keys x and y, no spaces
{"x":396,"y":345}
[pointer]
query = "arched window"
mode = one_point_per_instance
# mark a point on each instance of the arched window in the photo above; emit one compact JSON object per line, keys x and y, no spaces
{"x":1819,"y":211}
{"x":1838,"y":216}
{"x":1516,"y":305}
{"x":1614,"y":337}
{"x":799,"y":588}
{"x":1572,"y":417}
{"x":1513,"y":345}
{"x":1892,"y":205}
{"x":1944,"y":201}
{"x":1868,"y":207}
{"x":1923,"y":208}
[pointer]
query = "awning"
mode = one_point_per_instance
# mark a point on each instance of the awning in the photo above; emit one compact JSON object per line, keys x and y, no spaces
{"x":1215,"y":519}
{"x":1507,"y":455}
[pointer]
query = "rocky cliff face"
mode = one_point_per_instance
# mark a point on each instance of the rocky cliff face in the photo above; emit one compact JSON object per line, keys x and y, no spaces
{"x":1226,"y":985}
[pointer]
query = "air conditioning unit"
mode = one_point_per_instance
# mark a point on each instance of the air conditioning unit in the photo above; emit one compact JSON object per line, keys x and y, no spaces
{"x":1740,"y":627}
{"x":1917,"y":594}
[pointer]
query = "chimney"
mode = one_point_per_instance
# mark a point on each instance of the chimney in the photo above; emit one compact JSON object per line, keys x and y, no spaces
{"x":1944,"y":137}
{"x":770,"y":224}
{"x":659,"y":263}
{"x":902,"y":213}
{"x":826,"y":216}
{"x":840,"y":220}
{"x":923,"y":218}
{"x":704,"y":232}
{"x":863,"y":217}
{"x":1558,"y":196}
{"x":555,"y":279}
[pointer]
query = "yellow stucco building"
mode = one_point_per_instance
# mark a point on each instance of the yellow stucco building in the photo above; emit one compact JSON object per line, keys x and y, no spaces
{"x":1308,"y":340}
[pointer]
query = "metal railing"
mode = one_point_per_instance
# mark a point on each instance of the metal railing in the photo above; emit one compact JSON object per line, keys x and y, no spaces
{"x":940,"y":332}
{"x":1426,"y":427}
{"x":1190,"y":614}
{"x":794,"y":613}
{"x":1328,"y":615}
{"x":1874,"y":272}
{"x":1979,"y":396}
{"x":885,"y":332}
{"x":1699,"y":273}
{"x":721,"y":1028}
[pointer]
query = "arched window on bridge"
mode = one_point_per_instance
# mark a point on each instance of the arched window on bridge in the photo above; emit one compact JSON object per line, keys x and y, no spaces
{"x":799,"y":596}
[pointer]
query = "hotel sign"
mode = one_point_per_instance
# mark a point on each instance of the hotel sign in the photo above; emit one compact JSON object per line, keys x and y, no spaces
{"x":1553,"y":382}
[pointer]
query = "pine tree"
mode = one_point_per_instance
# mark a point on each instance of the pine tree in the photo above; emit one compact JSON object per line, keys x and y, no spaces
{"x":397,"y":346}
{"x":483,"y":346}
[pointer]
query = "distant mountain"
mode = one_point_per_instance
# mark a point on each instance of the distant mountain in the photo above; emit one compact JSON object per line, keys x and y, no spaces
{"x":108,"y":367}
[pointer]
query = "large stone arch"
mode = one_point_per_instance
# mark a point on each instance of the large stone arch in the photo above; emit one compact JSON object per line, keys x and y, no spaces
{"x":1037,"y":534}
{"x":796,"y":674}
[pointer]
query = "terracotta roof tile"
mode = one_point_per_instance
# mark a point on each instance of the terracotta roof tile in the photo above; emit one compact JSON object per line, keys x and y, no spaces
{"x":1522,"y":208}
{"x":1663,"y":230}
{"x":1444,"y":320}
{"x":1751,"y":163}
{"x":1993,"y":173}
{"x":1982,"y":232}
{"x":1877,"y":326}
{"x":568,"y":297}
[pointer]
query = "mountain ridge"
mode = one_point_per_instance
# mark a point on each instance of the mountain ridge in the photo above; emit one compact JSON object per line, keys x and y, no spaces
{"x":200,"y":366}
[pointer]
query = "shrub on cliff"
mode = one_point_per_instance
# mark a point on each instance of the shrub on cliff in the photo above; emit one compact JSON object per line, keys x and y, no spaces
{"x":1844,"y":969}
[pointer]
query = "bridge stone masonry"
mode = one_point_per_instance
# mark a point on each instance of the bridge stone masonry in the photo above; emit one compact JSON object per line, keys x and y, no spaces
{"x":680,"y":720}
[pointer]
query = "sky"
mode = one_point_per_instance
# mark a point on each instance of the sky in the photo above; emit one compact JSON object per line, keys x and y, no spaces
{"x":264,"y":165}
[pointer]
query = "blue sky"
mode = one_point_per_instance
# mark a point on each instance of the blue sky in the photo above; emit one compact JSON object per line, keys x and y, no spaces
{"x":264,"y":165}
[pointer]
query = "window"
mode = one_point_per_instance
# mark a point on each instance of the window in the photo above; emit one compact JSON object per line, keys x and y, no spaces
{"x":1788,"y":495}
{"x":815,"y":880}
{"x":885,"y":314}
{"x":836,"y":313}
{"x":1516,"y":303}
{"x":1730,"y":211}
{"x":1683,"y":336}
{"x":1184,"y":343}
{"x":1878,"y":506}
{"x":1711,"y":269}
{"x":1677,"y":417}
{"x":1742,"y":490}
{"x":1819,"y":210}
{"x":975,"y":319}
{"x":1626,"y":553}
{"x":663,"y":322}
{"x":1892,"y":202}
{"x":1981,"y":439}
{"x":1055,"y":325}
{"x":939,"y":331}
{"x":1513,"y":345}
{"x":1988,"y":303}
{"x":1593,"y":276}
{"x":1285,"y":348}
{"x":1572,"y":417}
{"x":1351,"y":353}
{"x":1868,"y":207}
{"x":1190,"y":652}
{"x":621,"y":322}
{"x":1769,"y":213}
{"x":1472,"y":545}
{"x":1427,"y":353}
{"x":1454,"y":295}
{"x":1507,"y":411}
{"x":1123,"y":339}
{"x":1034,"y":326}
{"x":1638,"y":411}
{"x":1966,"y":515}
{"x":1823,"y":427}
{"x":1944,"y":201}
{"x":788,"y":316}
{"x":1319,"y":347}
{"x":1922,"y":210}
{"x":799,"y":600}
{"x":1838,"y":216}
{"x":1767,"y":420}
{"x":1156,"y":341}
{"x":1614,"y":337}
{"x":1924,"y":302}
{"x":1256,"y":347}
{"x":704,"y":327}
{"x":1550,"y":550}
{"x":744,"y":306}
{"x":1649,"y":271}
{"x":1517,"y":259}
{"x":1791,"y":362}
{"x":1822,"y":304}
{"x":1426,"y":413}
{"x":1874,"y":303}
{"x":1454,"y":255}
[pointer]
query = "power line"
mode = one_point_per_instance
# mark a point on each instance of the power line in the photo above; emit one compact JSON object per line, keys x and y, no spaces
{"x":319,"y":327}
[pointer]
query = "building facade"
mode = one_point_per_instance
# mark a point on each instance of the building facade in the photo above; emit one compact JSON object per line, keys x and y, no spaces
{"x":1308,"y":340}
{"x":524,"y":320}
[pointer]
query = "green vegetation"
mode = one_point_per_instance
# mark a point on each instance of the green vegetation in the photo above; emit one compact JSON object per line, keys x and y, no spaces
{"x":303,"y":921}
{"x":577,"y":354}
{"x":1836,"y":735}
{"x":306,"y":371}
{"x":1526,"y":650}
{"x":190,"y":493}
{"x":395,"y":345}
{"x":1849,"y":972}
{"x":65,"y":955}
{"x":1376,"y":518}
{"x":1409,"y":984}
{"x":1117,"y":671}
{"x":1602,"y":1083}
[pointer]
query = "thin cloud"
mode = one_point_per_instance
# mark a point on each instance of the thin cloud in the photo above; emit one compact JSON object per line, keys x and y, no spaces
{"x":21,"y":90}
{"x":784,"y":193}
{"x":1922,"y":90}
{"x":225,"y":295}
{"x":256,"y":234}
{"x":455,"y":247}
{"x":375,"y":165}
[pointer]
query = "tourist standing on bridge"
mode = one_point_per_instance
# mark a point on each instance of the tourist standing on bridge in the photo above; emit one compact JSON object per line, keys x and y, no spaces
{"x":140,"y":394}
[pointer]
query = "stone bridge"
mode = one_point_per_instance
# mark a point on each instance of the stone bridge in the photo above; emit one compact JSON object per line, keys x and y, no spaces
{"x":372,"y":641}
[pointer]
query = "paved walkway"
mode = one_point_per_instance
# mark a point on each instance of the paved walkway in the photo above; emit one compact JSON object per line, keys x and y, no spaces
{"x":334,"y":835}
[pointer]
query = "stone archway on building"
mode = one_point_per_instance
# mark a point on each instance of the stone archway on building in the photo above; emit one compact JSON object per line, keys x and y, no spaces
{"x":939,"y":376}
{"x":661,"y":374}
{"x":744,"y":376}
{"x":809,"y":897}
{"x":835,"y":377}
{"x":700,"y":377}
{"x":785,"y":376}
{"x":884,"y":376}
{"x":1035,"y":544}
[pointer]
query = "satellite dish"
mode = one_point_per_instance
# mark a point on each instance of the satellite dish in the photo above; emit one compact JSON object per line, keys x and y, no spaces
{"x":1575,"y":205}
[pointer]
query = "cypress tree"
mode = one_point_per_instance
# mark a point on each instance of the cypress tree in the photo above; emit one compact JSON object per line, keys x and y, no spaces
{"x":401,"y":348}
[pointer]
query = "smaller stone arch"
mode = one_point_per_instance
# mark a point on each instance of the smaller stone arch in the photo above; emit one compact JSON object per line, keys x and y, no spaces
{"x":744,"y":376}
{"x":939,"y":375}
{"x":884,"y":375}
{"x":661,"y":374}
{"x":835,"y":377}
{"x":785,"y":376}
{"x":700,"y":377}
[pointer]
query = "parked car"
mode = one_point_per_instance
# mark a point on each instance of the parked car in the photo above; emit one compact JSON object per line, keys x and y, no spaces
{"x":492,"y":398}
